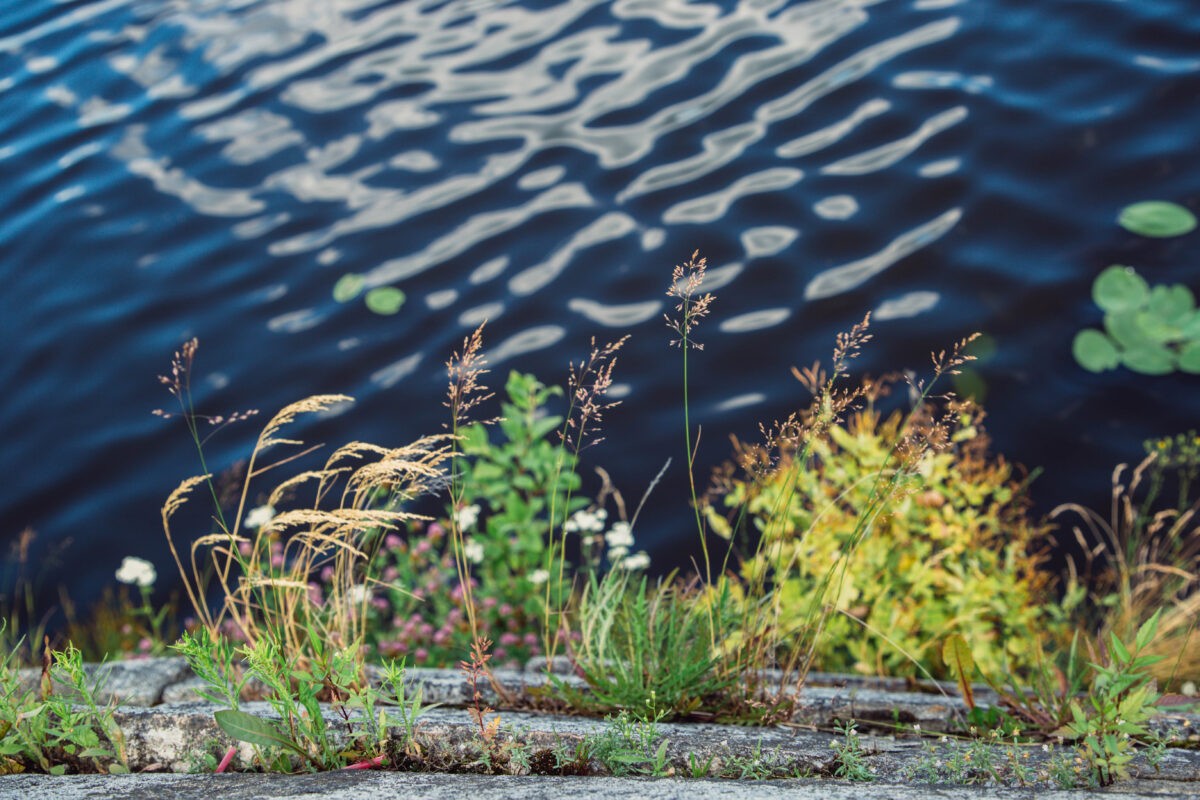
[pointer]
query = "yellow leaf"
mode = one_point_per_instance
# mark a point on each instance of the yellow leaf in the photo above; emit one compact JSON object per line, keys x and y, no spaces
{"x":957,"y":656}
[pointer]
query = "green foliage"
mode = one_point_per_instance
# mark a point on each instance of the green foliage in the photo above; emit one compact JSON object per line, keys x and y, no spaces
{"x":1150,"y":330}
{"x":631,"y":745}
{"x":1157,"y":218}
{"x":519,"y":480}
{"x":58,"y":732}
{"x":303,"y":736}
{"x":850,"y":758}
{"x":952,"y":550}
{"x":1118,"y":704}
{"x":650,"y":651}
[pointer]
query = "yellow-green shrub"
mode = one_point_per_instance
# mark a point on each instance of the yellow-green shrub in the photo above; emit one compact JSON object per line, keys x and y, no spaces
{"x":951,"y":550}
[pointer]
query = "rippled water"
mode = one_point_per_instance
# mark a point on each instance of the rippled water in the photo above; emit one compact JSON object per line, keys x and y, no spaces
{"x":211,"y":167}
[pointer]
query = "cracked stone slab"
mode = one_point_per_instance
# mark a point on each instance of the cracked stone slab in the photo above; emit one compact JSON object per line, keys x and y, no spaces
{"x":395,"y":786}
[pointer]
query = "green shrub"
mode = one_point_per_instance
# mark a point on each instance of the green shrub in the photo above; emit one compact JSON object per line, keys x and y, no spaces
{"x":950,"y":550}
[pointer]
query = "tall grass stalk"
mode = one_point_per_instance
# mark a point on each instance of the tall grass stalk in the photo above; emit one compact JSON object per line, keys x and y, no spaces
{"x":686,"y":282}
{"x":587,"y":387}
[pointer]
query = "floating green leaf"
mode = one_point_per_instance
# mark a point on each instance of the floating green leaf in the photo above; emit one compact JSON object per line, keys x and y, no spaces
{"x":1189,"y":358}
{"x":385,"y":300}
{"x":1150,"y":360}
{"x":1172,"y":304}
{"x":1125,"y":331}
{"x":1156,"y":329}
{"x":348,"y":287}
{"x":1119,"y":288}
{"x":1157,"y":218}
{"x":1094,"y":351}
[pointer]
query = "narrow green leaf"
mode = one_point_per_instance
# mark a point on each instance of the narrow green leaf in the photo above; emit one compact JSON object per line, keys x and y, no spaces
{"x":251,"y":729}
{"x":348,"y":287}
{"x":1118,"y":648}
{"x":1157,"y":218}
{"x":385,"y":300}
{"x":1147,"y":631}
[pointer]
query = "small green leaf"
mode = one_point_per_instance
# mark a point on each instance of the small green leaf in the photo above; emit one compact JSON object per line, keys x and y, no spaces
{"x":1094,"y":351}
{"x":1157,"y":218}
{"x":251,"y":729}
{"x":348,"y":287}
{"x":1147,"y":631}
{"x":1120,"y":288}
{"x":1118,"y":649}
{"x":1189,"y":358}
{"x":1191,"y":327}
{"x":1149,"y":360}
{"x":385,"y":299}
{"x":1156,"y":329}
{"x":1173,"y":304}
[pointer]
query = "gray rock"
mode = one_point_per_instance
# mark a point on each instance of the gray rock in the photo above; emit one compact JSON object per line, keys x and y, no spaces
{"x":138,"y":682}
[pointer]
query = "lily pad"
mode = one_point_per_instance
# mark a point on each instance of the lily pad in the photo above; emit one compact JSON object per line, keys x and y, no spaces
{"x":1157,"y":218}
{"x":348,"y":287}
{"x":1157,"y":328}
{"x":1189,"y":358}
{"x":1172,"y":304}
{"x":1150,"y":360}
{"x":1119,"y":288}
{"x":1094,"y":351}
{"x":385,"y":299}
{"x":1125,"y":330}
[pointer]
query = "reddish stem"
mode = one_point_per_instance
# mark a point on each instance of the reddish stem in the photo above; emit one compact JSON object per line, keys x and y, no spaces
{"x":370,"y":763}
{"x":229,"y":754}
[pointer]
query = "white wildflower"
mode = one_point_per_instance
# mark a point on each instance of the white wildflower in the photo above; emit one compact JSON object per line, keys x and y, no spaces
{"x":136,"y":570}
{"x":538,"y":577}
{"x":358,"y":593}
{"x":616,"y":554}
{"x":1188,"y":688}
{"x":639,"y":560}
{"x":466,"y":517}
{"x":586,"y":521}
{"x":473,"y":551}
{"x":619,"y":536}
{"x":258,"y":517}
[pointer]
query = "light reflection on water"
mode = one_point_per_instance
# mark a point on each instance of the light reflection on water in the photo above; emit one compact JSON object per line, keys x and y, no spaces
{"x":214,"y":166}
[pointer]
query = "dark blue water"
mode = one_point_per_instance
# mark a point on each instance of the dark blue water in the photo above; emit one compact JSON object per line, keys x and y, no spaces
{"x":210,"y":168}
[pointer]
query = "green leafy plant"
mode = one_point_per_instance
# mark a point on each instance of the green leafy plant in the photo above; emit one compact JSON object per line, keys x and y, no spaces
{"x":1120,"y":701}
{"x":631,"y":745}
{"x":302,"y":737}
{"x":849,"y":756}
{"x":951,"y":548}
{"x":58,"y":729}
